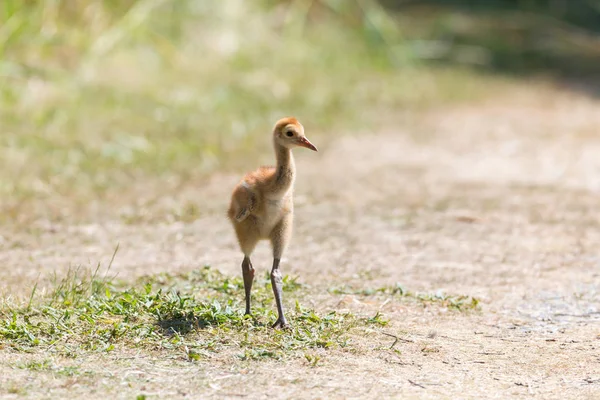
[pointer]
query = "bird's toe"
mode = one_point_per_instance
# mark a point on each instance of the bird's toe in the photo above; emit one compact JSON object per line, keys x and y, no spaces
{"x":281,"y":324}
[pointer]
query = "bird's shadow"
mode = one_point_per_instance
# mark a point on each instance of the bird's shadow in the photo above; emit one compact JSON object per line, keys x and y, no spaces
{"x":184,"y":324}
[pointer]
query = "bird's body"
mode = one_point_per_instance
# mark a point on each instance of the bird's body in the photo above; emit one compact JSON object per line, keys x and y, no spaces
{"x":256,"y":208}
{"x":262,"y":206}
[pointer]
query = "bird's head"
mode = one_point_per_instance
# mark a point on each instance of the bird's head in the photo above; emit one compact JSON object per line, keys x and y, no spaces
{"x":289,"y":133}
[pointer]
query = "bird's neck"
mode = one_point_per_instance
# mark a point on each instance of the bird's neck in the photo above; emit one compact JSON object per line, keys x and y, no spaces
{"x":285,"y":168}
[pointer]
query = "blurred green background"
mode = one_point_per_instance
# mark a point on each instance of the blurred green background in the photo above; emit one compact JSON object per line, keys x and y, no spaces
{"x":97,"y":96}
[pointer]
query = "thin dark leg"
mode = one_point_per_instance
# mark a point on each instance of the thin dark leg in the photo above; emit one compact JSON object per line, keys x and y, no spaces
{"x":277,"y":283}
{"x":248,"y":272}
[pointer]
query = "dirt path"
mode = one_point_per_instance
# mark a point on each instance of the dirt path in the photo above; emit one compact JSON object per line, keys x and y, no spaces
{"x":497,"y":201}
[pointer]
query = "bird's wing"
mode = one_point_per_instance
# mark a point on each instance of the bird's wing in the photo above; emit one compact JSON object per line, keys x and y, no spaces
{"x":246,"y":201}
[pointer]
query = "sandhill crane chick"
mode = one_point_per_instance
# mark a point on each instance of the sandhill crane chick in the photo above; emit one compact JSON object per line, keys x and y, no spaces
{"x":262,"y":207}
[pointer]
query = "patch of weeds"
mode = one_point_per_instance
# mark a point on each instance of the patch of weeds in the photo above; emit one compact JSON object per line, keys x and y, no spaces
{"x":45,"y":365}
{"x":377,"y":319}
{"x":68,"y":371}
{"x":198,"y":314}
{"x":312,"y":359}
{"x":193,"y":354}
{"x":260,"y":354}
{"x":290,"y":283}
{"x":455,"y":302}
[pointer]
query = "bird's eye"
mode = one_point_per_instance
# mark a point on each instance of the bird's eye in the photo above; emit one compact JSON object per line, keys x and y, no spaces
{"x":289,"y":133}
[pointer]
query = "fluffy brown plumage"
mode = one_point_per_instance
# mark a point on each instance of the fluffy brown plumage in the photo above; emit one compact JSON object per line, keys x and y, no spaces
{"x":262,"y":207}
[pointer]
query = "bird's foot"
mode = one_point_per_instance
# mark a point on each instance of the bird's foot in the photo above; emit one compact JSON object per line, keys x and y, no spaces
{"x":281,"y":323}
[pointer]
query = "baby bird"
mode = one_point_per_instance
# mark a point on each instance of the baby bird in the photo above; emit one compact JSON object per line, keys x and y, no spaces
{"x":262,"y":207}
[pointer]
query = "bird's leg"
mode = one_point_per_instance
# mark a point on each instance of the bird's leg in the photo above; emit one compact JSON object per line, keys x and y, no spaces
{"x":277,"y":283}
{"x":248,"y":272}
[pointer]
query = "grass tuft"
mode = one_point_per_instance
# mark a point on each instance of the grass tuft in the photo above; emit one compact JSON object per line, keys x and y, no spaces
{"x":195,"y":314}
{"x":455,"y":302}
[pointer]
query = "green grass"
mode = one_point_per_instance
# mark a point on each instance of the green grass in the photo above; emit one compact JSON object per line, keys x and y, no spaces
{"x":106,"y":98}
{"x":455,"y":302}
{"x":196,"y":315}
{"x":193,"y":316}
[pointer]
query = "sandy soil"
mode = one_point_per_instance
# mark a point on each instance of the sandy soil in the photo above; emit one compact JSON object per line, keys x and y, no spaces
{"x":496,"y":200}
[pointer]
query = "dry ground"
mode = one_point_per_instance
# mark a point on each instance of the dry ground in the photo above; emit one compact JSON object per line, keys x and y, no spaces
{"x":497,"y":200}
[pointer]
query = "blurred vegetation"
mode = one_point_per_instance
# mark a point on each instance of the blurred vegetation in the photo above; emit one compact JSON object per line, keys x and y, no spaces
{"x":560,"y":38}
{"x":96,"y":96}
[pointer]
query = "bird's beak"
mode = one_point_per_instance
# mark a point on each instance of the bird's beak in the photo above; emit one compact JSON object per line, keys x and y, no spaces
{"x":304,"y":142}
